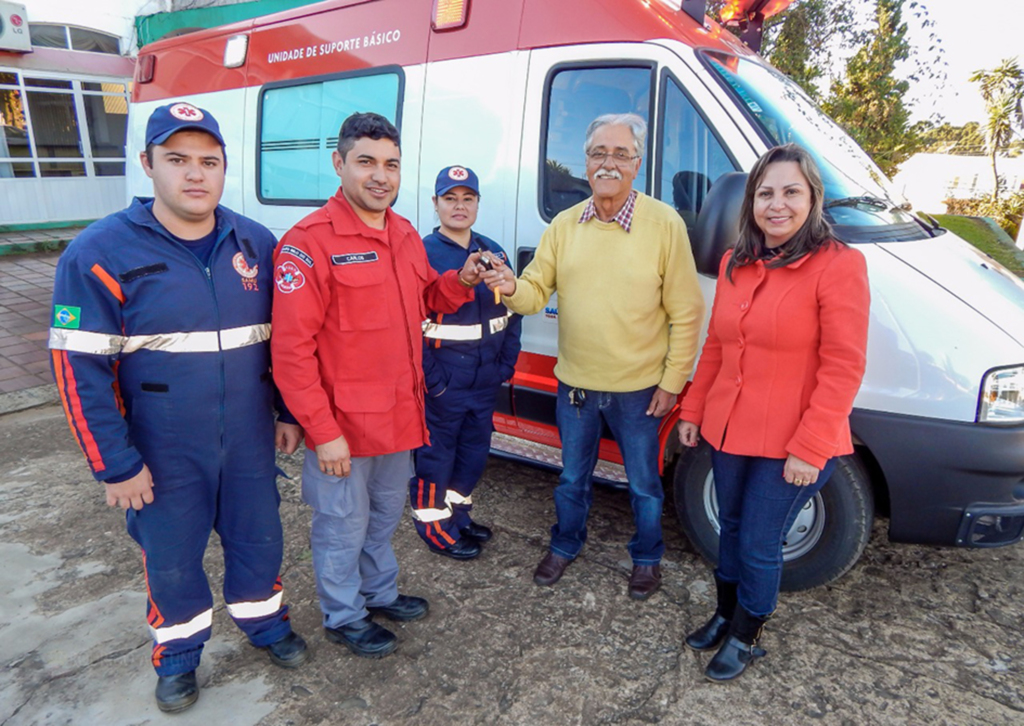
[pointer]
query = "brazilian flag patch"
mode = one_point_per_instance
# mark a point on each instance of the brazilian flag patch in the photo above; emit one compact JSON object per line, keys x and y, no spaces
{"x":67,"y":316}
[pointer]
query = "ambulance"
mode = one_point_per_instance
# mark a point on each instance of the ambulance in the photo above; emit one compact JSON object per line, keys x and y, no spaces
{"x":508,"y":87}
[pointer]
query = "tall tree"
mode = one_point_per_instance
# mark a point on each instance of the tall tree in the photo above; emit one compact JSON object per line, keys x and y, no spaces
{"x":945,"y":138}
{"x":1003,"y":91}
{"x":802,"y":40}
{"x":868,"y":101}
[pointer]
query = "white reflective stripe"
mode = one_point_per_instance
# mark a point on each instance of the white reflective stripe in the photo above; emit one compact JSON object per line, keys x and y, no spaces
{"x":453,"y":497}
{"x":203,"y":341}
{"x":431,"y":515}
{"x":452,"y":332}
{"x":82,"y":341}
{"x":260,"y":609}
{"x":499,"y":324}
{"x":200,"y":341}
{"x":198,"y":624}
{"x":243,"y":336}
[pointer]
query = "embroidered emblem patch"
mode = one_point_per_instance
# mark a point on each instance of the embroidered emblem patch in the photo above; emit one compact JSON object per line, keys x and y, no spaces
{"x":67,"y":316}
{"x":186,"y":112}
{"x":458,"y":173}
{"x":354,"y":259}
{"x":242,"y":267}
{"x":298,"y":254}
{"x":288,"y":277}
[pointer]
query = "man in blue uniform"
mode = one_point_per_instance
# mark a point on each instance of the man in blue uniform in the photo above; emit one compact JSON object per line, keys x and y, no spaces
{"x":159,"y":346}
{"x":467,"y":355}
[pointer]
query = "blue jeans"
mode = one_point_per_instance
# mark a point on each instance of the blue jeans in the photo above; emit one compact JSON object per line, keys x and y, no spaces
{"x":637,"y":436}
{"x":756,"y":508}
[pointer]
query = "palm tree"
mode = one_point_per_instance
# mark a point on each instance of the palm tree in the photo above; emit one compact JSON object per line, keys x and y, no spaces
{"x":1003,"y":91}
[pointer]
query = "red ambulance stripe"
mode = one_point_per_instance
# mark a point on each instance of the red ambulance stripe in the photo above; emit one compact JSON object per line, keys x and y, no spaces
{"x":58,"y":373}
{"x":108,"y":281}
{"x":432,"y":538}
{"x":419,"y":494}
{"x":73,"y":408}
{"x":158,"y":652}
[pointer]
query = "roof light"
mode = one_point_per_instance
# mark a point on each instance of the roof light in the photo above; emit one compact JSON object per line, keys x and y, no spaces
{"x":146,"y":68}
{"x":449,"y":14}
{"x":235,"y":51}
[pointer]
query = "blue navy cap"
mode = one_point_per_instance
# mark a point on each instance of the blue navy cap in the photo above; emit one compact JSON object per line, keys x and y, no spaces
{"x":174,"y":117}
{"x":456,"y":176}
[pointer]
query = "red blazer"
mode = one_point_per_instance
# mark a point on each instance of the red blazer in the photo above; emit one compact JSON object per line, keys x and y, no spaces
{"x":347,"y":340}
{"x":784,"y":358}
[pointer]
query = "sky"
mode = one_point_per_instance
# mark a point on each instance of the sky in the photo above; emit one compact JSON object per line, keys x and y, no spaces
{"x":976,"y":34}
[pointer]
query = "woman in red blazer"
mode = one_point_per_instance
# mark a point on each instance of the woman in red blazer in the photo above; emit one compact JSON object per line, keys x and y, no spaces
{"x":773,"y":389}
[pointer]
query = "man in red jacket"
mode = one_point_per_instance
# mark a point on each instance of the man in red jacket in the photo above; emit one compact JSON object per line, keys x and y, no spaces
{"x":353,"y":288}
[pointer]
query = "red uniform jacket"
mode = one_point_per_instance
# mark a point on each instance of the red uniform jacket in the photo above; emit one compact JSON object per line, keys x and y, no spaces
{"x":347,"y":339}
{"x":784,"y":358}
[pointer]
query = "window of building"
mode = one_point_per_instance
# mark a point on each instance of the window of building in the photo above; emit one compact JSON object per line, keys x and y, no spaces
{"x":49,"y":35}
{"x":691,"y":157}
{"x":576,"y":96}
{"x":295,"y":164}
{"x":59,"y":127}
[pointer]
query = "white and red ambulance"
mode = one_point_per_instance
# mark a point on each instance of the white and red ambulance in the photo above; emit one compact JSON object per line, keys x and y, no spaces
{"x":508,"y":87}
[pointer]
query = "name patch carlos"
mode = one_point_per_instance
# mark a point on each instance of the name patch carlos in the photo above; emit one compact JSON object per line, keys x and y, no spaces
{"x":355,"y":258}
{"x":297,"y":254}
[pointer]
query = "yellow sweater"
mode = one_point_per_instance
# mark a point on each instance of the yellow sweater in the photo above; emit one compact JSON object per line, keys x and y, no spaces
{"x":629,"y":307}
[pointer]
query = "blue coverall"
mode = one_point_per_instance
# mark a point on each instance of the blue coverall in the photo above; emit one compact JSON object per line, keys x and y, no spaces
{"x":160,"y":360}
{"x":467,"y":355}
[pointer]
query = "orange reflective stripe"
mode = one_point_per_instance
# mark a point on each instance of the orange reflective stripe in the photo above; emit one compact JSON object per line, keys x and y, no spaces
{"x":73,"y":409}
{"x":153,"y":615}
{"x":158,"y":652}
{"x":443,"y":533}
{"x":109,"y":281}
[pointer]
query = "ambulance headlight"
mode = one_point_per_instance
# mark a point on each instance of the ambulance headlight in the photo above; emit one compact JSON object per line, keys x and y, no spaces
{"x":1002,"y":396}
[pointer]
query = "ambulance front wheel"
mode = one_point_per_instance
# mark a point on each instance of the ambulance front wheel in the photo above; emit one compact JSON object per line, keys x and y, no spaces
{"x":826,"y":539}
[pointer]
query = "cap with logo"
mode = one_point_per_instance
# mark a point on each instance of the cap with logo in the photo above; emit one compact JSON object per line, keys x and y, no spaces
{"x":174,"y":117}
{"x":456,"y":176}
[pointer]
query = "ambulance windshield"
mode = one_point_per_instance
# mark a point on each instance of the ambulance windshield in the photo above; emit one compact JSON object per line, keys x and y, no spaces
{"x":785,"y":114}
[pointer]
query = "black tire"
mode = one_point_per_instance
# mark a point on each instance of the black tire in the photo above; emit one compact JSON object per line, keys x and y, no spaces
{"x":824,"y":543}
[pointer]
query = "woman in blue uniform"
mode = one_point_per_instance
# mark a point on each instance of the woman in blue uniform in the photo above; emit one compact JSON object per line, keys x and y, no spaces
{"x":467,"y":355}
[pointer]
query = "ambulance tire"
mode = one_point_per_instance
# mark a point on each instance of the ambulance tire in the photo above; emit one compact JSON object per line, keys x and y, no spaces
{"x":826,"y":539}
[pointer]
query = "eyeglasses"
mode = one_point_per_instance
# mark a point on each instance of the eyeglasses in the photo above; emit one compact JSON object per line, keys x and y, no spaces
{"x":620,"y":158}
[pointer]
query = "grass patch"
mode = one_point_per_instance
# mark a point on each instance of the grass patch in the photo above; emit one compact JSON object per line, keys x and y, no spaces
{"x":986,"y":237}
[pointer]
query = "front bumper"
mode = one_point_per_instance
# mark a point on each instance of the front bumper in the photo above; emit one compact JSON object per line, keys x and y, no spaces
{"x":949,"y":482}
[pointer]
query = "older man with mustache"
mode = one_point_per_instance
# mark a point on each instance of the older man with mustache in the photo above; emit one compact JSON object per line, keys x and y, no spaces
{"x":630,"y":313}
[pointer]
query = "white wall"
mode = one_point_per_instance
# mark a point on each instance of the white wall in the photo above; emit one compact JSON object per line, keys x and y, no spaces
{"x":927,"y":180}
{"x":110,"y":16}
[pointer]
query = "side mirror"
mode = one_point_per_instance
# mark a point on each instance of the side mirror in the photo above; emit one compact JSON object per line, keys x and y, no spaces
{"x":718,"y":224}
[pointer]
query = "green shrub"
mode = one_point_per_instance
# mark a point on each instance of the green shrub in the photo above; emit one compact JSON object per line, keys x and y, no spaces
{"x":1006,"y":212}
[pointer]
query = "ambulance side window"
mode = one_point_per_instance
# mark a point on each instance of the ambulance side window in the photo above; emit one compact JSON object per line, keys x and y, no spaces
{"x":691,"y":156}
{"x":298,"y":130}
{"x":576,"y":96}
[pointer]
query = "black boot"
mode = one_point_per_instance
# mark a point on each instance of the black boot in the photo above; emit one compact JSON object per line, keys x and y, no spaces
{"x":740,"y":648}
{"x":713,"y":632}
{"x":176,"y":693}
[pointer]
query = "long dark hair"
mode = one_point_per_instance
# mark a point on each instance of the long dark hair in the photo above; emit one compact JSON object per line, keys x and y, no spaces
{"x":815,"y":233}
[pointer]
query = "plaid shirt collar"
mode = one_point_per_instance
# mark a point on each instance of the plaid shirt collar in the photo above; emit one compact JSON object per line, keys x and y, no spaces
{"x":624,"y":216}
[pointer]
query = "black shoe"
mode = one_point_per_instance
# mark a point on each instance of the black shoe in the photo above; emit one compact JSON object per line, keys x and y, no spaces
{"x":176,"y":693}
{"x":404,"y":609}
{"x":740,"y":648}
{"x":364,"y":638}
{"x":289,"y":652}
{"x":710,"y":635}
{"x":463,"y":549}
{"x":477,"y":531}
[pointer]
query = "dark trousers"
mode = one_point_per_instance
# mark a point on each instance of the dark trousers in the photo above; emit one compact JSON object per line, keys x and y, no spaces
{"x":756,"y":508}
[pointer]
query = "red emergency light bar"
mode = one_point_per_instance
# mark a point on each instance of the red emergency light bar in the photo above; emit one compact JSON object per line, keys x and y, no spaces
{"x":449,"y":14}
{"x":738,"y":10}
